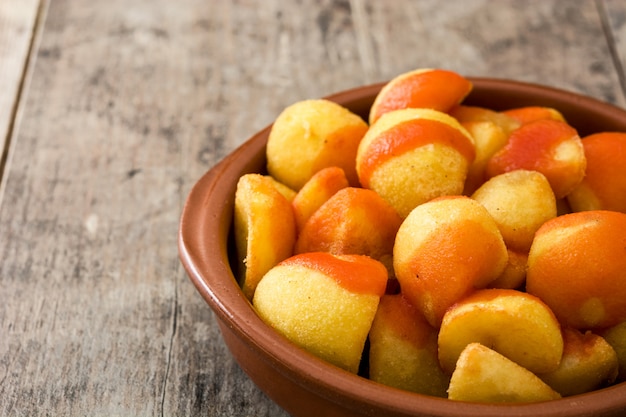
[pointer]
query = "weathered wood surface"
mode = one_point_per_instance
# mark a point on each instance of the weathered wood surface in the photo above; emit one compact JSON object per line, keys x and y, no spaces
{"x":18,"y":21}
{"x":130,"y":102}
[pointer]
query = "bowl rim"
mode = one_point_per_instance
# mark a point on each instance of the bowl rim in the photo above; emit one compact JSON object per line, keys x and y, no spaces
{"x":218,"y":286}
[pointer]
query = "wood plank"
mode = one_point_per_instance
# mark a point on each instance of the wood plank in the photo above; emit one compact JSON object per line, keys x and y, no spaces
{"x":130,"y":103}
{"x":17,"y":26}
{"x":90,"y":215}
{"x":615,"y":16}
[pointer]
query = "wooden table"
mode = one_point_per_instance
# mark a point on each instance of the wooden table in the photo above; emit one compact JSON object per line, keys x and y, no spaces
{"x":111,"y":110}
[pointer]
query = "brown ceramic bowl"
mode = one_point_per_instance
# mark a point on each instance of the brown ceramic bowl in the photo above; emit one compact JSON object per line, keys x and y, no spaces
{"x":301,"y":383}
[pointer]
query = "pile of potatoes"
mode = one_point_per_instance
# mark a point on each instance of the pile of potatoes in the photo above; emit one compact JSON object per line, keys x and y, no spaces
{"x":442,"y":248}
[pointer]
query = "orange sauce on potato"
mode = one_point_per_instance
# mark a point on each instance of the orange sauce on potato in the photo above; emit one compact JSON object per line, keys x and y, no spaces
{"x":410,"y":135}
{"x":436,"y":89}
{"x":356,"y":273}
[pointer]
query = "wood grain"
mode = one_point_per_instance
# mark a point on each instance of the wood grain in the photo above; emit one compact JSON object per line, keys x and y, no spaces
{"x":130,"y":102}
{"x":614,"y":12}
{"x":17,"y":26}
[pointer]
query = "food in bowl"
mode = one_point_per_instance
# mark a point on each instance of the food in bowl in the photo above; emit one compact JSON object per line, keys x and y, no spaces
{"x":403,"y":349}
{"x":304,"y":385}
{"x":577,"y":266}
{"x":518,"y":325}
{"x":484,"y":375}
{"x":445,"y":249}
{"x":355,"y":221}
{"x":324,"y":303}
{"x":431,"y":88}
{"x":310,"y":135}
{"x":605,"y":177}
{"x":548,"y":146}
{"x":264,"y":226}
{"x":519,"y":201}
{"x":410,"y":156}
{"x":408,"y":222}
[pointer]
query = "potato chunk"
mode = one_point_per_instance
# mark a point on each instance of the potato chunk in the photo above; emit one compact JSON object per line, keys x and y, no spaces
{"x":403,"y":349}
{"x":483,"y":375}
{"x":311,"y":135}
{"x":515,"y":324}
{"x":265,"y":229}
{"x":520,"y":202}
{"x":323,"y":303}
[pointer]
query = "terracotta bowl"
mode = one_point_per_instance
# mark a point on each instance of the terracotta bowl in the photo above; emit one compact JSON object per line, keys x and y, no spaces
{"x":299,"y":382}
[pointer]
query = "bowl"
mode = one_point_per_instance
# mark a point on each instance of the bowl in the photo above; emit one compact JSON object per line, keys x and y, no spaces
{"x":301,"y":383}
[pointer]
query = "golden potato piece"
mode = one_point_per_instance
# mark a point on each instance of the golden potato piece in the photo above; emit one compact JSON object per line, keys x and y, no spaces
{"x":484,"y":375}
{"x":529,"y":114}
{"x":489,"y":138}
{"x":444,"y":250}
{"x":513,"y":323}
{"x":470,"y":114}
{"x":588,"y":363}
{"x":411,"y":156}
{"x":315,"y":192}
{"x":323,"y":303}
{"x":430,"y":88}
{"x":551,"y":147}
{"x":604,"y":184}
{"x":577,"y":266}
{"x":265,"y":229}
{"x":287,"y":192}
{"x":352,"y":221}
{"x":520,"y":202}
{"x":403,"y":349}
{"x":310,"y":135}
{"x":514,"y":274}
{"x":616,"y":337}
